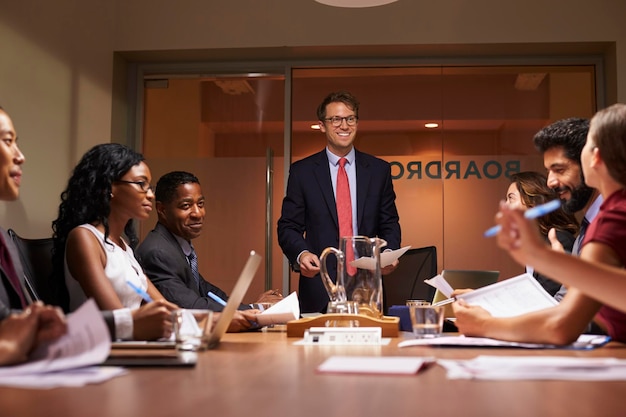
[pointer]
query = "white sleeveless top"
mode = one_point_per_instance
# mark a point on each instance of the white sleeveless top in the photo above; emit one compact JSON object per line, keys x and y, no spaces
{"x":121,"y":266}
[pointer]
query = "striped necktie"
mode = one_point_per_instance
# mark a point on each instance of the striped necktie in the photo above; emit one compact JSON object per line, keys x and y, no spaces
{"x":193,"y":262}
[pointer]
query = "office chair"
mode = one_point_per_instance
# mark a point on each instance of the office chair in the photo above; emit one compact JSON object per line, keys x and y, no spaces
{"x":407,"y":281}
{"x":36,"y":258}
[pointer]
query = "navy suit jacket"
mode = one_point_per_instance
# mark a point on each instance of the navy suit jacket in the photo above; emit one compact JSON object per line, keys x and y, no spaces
{"x":9,"y":298}
{"x":309,"y":215}
{"x":166,"y":265}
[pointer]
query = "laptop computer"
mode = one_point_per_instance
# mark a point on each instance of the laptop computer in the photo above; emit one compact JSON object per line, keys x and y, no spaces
{"x":236,"y":297}
{"x":213,"y":337}
{"x":464,"y":278}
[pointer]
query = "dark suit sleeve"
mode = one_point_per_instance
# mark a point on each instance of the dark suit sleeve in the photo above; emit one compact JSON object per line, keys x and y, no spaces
{"x":292,"y":222}
{"x":110,"y":321}
{"x":388,"y":219}
{"x":168,"y":276}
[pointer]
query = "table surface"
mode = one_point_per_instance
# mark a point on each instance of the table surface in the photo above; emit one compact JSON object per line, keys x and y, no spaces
{"x":265,"y":374}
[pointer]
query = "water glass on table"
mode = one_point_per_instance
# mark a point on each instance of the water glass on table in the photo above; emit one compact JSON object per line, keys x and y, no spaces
{"x":426,"y":319}
{"x":191,"y":327}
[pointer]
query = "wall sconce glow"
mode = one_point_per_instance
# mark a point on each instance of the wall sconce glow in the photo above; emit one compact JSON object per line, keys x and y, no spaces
{"x":355,"y":3}
{"x":431,"y":125}
{"x":315,"y":126}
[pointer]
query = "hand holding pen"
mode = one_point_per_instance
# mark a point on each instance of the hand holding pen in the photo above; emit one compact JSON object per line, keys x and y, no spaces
{"x":520,"y":236}
{"x":152,"y":320}
{"x":532,"y":213}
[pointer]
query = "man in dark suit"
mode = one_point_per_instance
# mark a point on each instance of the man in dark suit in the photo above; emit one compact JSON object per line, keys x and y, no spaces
{"x":23,"y":324}
{"x":167,"y":255}
{"x":309,"y":221}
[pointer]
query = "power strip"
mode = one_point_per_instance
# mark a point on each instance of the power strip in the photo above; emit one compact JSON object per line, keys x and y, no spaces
{"x":343,"y":336}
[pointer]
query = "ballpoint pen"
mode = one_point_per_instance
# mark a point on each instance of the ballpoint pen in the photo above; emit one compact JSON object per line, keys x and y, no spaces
{"x":444,"y":302}
{"x":216,"y":298}
{"x":141,"y":292}
{"x":532,"y":213}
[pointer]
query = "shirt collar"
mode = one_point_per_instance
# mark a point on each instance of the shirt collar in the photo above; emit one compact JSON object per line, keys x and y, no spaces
{"x":185,"y":245}
{"x":593,"y":210}
{"x":334,"y":159}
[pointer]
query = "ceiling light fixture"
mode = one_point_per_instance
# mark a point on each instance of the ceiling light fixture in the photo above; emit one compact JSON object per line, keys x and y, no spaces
{"x":355,"y":3}
{"x":431,"y":125}
{"x":315,"y":126}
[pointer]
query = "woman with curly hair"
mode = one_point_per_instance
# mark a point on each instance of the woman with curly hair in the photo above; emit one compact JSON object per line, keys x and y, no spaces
{"x":529,"y":189}
{"x":108,"y":189}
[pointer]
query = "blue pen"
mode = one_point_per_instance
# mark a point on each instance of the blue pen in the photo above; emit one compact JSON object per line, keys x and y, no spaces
{"x":141,"y":292}
{"x":532,"y":213}
{"x":216,"y":298}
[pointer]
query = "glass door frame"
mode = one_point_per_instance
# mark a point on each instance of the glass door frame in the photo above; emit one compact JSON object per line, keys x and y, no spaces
{"x":139,"y":73}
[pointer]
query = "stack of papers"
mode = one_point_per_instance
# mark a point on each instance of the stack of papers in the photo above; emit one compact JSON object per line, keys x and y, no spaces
{"x":512,"y":297}
{"x":67,"y":360}
{"x":537,"y":368}
{"x":585,"y":341}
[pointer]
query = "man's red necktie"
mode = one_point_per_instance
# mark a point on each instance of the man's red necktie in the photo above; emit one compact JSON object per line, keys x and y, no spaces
{"x":344,"y":211}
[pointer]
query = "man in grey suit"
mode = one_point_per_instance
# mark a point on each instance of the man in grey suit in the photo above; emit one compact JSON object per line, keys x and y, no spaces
{"x":167,"y":254}
{"x":309,"y":220}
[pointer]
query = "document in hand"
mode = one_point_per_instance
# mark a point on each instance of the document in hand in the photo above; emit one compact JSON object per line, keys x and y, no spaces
{"x":386,"y":259}
{"x":514,"y":296}
{"x":285,"y":310}
{"x":87,"y":342}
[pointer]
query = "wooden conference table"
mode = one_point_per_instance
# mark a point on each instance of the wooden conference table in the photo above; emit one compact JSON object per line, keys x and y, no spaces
{"x":264,"y":374}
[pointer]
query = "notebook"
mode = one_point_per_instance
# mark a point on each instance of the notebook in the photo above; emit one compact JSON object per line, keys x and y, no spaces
{"x":464,"y":278}
{"x":236,"y":297}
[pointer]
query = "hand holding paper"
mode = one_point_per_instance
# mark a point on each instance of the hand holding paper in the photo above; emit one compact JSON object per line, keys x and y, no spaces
{"x":386,"y":259}
{"x":285,"y":310}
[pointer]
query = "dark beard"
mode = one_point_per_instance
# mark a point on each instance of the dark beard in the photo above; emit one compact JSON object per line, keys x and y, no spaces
{"x":578,"y":201}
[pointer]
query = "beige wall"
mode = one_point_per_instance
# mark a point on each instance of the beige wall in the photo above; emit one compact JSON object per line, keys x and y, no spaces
{"x":56,"y":64}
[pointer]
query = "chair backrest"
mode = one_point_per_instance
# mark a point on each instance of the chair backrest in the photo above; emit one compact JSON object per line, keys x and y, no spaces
{"x":407,"y":281}
{"x":36,"y":258}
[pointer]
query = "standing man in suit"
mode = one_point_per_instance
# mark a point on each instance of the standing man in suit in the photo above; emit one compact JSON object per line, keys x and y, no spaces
{"x":167,"y":255}
{"x":20,"y":332}
{"x":309,"y":221}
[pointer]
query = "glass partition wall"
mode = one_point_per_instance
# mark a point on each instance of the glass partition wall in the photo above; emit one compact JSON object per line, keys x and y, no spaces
{"x":453,"y":135}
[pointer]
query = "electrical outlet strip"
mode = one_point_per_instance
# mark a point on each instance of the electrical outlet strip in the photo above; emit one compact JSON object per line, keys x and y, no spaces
{"x":343,"y":336}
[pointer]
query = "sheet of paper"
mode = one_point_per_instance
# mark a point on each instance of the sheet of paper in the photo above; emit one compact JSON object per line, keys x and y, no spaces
{"x":511,"y":297}
{"x":66,"y":378}
{"x":585,"y":341}
{"x":439,"y":282}
{"x":385,"y":341}
{"x":386,"y":258}
{"x":285,"y":310}
{"x":536,"y":368}
{"x":405,"y":365}
{"x":389,"y":257}
{"x":87,"y":342}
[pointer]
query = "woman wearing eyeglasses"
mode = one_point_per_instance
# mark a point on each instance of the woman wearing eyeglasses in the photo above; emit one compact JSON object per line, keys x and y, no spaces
{"x":94,"y":236}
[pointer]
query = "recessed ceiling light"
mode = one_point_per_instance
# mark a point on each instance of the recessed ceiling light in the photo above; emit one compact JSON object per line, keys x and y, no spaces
{"x":431,"y":125}
{"x":315,"y":126}
{"x":355,"y":3}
